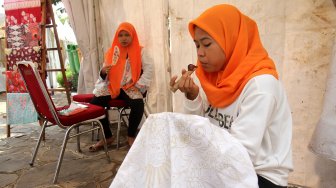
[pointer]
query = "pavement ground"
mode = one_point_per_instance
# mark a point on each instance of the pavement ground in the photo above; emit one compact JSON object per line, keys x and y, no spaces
{"x":83,"y":169}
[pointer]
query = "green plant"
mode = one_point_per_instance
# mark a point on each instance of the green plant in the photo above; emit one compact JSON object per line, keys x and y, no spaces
{"x":59,"y":77}
{"x":72,"y":78}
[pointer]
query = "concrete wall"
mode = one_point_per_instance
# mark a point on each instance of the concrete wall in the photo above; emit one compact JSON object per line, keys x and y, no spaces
{"x":310,"y":36}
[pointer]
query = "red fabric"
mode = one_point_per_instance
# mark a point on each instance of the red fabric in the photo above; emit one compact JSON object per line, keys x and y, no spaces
{"x":33,"y":34}
{"x":23,"y":16}
{"x":36,"y":93}
{"x":87,"y":98}
{"x":93,"y":111}
{"x":16,"y":4}
{"x":15,"y":83}
{"x":83,"y":98}
{"x":14,"y":55}
{"x":42,"y":107}
{"x":21,"y":36}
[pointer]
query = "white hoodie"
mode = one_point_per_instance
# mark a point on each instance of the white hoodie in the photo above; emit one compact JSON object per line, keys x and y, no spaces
{"x":261,"y":120}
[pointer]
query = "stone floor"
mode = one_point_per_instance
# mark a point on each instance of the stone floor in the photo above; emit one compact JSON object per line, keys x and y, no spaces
{"x":83,"y":169}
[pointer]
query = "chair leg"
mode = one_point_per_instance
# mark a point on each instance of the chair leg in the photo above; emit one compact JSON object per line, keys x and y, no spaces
{"x":78,"y":140}
{"x":93,"y":124}
{"x":38,"y":142}
{"x":8,"y":130}
{"x":93,"y":131}
{"x":104,"y":139}
{"x":124,"y":116}
{"x":118,"y":129}
{"x":97,"y":139}
{"x":60,"y":158}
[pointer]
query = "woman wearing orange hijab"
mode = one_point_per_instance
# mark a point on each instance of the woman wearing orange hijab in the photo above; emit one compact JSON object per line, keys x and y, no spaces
{"x":240,"y":90}
{"x":126,"y":75}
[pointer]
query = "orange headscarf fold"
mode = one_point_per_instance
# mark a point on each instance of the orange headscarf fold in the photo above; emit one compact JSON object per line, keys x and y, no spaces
{"x":117,"y":56}
{"x":246,"y":57}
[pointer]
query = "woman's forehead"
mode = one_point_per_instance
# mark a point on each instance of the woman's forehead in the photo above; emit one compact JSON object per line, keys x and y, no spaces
{"x":123,"y":31}
{"x":200,"y":34}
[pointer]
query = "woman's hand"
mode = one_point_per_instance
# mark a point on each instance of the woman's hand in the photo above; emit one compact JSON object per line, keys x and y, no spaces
{"x":106,"y":69}
{"x":186,"y":85}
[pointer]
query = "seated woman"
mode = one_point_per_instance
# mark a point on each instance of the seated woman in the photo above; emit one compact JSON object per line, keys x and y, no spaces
{"x":240,"y":90}
{"x":126,"y":75}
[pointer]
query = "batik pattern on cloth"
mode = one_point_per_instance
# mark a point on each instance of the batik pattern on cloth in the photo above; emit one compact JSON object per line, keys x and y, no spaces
{"x":22,"y":11}
{"x":179,"y":150}
{"x":23,"y":16}
{"x":32,"y":34}
{"x":14,"y":55}
{"x":15,"y":83}
{"x":20,"y":109}
{"x":26,"y":35}
{"x":20,"y":4}
{"x":15,"y":36}
{"x":23,"y":36}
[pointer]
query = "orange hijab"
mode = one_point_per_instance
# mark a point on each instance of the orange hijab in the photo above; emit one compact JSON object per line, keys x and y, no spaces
{"x":246,"y":58}
{"x":116,"y":56}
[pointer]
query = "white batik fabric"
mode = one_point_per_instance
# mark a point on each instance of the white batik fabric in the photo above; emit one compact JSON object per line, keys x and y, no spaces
{"x":179,"y":150}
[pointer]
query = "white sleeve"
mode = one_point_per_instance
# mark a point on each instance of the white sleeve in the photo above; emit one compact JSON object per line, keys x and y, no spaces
{"x":147,"y":68}
{"x":196,"y":106}
{"x":254,"y":115}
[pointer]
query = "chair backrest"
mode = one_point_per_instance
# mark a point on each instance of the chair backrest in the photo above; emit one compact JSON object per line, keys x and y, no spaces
{"x":37,"y":91}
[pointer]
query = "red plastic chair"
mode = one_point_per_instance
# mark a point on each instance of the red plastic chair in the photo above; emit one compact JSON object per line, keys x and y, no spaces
{"x":51,"y":116}
{"x":115,"y":104}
